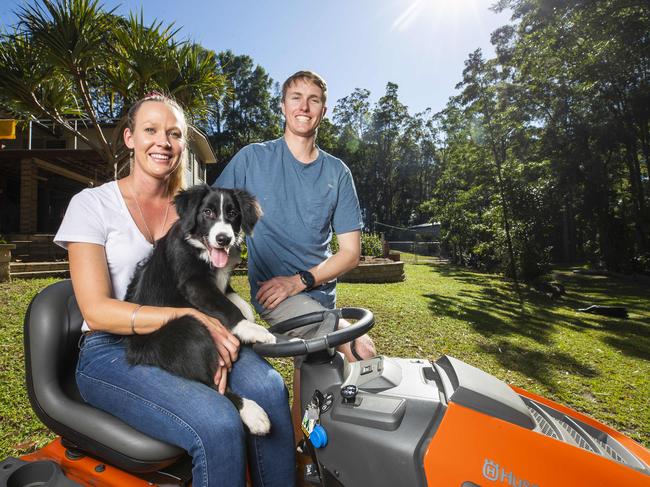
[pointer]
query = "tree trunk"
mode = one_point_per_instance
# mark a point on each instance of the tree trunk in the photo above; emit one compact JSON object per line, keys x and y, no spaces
{"x":639,"y":211}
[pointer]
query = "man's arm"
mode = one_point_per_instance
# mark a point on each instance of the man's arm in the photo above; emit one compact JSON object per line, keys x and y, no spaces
{"x":279,"y":288}
{"x":347,"y":258}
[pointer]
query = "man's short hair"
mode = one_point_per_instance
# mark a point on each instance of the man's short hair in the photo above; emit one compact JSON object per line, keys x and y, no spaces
{"x":308,"y":76}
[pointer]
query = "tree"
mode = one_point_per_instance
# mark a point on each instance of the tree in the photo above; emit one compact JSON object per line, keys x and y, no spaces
{"x":390,"y":153}
{"x":544,"y":152}
{"x":246,"y":112}
{"x":485,"y":96}
{"x":585,"y":67}
{"x":389,"y":118}
{"x":69,"y":59}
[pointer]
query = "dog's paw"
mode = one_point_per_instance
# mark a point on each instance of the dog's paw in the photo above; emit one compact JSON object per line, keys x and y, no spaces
{"x":249,"y":332}
{"x":267,"y":338}
{"x":255,"y":418}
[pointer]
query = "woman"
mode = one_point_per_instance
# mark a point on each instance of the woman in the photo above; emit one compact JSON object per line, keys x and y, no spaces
{"x":107,"y":231}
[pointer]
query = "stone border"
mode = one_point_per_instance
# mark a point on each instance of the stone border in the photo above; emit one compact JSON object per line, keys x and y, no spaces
{"x":5,"y":258}
{"x":377,"y":273}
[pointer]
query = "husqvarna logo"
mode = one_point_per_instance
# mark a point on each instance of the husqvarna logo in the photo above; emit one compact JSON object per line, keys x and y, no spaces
{"x":496,"y":473}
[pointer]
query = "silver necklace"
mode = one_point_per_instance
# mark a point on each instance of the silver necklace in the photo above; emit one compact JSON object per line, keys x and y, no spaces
{"x":150,"y":239}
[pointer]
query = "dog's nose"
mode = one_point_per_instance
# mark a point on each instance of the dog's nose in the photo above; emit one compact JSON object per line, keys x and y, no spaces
{"x":223,"y":239}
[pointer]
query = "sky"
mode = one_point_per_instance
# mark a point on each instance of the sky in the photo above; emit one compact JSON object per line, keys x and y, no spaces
{"x":420,"y":45}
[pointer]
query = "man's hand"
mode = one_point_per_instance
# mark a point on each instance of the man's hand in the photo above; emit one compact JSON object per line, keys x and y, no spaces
{"x":274,"y":291}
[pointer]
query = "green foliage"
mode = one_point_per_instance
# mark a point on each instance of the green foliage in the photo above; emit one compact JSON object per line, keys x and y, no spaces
{"x":334,"y":244}
{"x":371,"y":244}
{"x":69,"y":59}
{"x":545,"y":151}
{"x":246,"y":112}
{"x":244,"y":251}
{"x":389,"y":151}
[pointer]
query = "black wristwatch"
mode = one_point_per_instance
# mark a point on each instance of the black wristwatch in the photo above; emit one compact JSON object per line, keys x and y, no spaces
{"x":307,"y":279}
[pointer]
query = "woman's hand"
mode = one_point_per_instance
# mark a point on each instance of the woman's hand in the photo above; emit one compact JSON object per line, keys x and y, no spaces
{"x":227,"y":344}
{"x":221,"y":378}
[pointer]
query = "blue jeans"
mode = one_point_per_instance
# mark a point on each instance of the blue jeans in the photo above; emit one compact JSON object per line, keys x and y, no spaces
{"x":193,"y":416}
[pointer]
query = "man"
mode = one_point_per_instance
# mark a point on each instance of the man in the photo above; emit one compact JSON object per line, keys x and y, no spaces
{"x":305,"y":193}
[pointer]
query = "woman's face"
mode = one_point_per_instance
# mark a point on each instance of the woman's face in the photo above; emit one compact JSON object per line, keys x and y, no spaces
{"x":157,"y":138}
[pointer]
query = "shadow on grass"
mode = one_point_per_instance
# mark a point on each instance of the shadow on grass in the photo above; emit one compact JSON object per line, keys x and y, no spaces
{"x":490,"y":306}
{"x":492,"y":312}
{"x":543,"y":367}
{"x":631,"y":336}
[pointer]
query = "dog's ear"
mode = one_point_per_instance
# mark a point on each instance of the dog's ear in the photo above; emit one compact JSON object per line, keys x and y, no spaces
{"x":251,"y":211}
{"x":187,"y":202}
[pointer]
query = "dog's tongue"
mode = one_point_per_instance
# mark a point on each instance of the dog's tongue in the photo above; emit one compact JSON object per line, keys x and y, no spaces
{"x":219,"y":257}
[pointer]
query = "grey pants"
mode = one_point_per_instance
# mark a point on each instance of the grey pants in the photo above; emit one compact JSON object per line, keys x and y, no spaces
{"x":293,"y":306}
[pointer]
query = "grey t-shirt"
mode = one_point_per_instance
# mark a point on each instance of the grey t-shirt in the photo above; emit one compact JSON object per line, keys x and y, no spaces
{"x":302,"y":204}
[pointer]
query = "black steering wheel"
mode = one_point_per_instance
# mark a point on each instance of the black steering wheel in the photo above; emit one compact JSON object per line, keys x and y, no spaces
{"x":290,"y":347}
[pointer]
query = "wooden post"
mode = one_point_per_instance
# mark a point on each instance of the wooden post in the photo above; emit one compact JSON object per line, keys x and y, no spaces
{"x":28,"y":196}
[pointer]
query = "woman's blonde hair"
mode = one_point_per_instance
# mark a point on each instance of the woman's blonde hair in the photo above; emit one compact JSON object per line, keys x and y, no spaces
{"x":176,"y":181}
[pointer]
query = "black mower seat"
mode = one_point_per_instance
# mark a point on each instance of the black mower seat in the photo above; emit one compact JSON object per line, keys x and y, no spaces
{"x":52,"y":330}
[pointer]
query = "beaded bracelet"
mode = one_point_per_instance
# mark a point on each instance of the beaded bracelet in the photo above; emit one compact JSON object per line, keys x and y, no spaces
{"x":135,"y":311}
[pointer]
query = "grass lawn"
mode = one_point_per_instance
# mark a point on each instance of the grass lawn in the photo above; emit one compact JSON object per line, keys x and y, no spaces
{"x":595,"y":364}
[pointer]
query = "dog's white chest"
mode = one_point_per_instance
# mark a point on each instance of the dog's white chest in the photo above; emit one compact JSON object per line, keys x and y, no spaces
{"x":221,"y":278}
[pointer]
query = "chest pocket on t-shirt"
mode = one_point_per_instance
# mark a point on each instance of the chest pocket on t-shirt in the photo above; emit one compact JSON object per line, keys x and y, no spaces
{"x":319,"y":215}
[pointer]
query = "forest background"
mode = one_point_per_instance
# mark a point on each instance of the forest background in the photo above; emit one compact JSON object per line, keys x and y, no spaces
{"x":542,"y":156}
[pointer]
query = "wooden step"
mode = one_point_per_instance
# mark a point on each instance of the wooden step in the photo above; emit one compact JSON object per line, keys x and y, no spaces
{"x":30,"y":270}
{"x":40,"y":274}
{"x":38,"y":266}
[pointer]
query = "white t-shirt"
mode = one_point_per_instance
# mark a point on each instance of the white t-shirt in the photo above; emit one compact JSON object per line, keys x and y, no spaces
{"x":100,"y":216}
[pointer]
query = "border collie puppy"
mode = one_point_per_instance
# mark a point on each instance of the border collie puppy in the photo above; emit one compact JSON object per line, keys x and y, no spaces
{"x":191,"y":267}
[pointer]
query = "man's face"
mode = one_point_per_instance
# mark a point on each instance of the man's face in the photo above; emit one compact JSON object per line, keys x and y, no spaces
{"x":303,"y":108}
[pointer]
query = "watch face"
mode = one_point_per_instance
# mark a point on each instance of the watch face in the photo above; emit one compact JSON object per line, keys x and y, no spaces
{"x":307,"y":279}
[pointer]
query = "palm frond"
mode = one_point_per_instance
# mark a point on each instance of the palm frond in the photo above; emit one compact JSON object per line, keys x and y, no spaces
{"x":72,"y":33}
{"x":142,"y":53}
{"x":198,"y":79}
{"x":27,"y":82}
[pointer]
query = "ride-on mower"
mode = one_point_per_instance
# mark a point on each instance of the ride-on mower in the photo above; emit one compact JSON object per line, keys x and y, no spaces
{"x":377,"y":422}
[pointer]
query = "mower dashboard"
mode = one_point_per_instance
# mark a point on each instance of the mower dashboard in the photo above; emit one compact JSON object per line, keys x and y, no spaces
{"x":375,"y":374}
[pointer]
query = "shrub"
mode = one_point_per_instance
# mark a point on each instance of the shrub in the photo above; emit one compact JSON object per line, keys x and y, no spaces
{"x":244,"y":252}
{"x":370,"y":244}
{"x":334,"y":244}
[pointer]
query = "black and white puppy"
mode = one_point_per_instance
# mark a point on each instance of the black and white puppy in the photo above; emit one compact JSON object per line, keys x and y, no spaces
{"x":191,"y":267}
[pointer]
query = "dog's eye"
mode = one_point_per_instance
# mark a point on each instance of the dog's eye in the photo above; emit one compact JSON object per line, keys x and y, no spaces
{"x":232,"y":214}
{"x":208,"y":212}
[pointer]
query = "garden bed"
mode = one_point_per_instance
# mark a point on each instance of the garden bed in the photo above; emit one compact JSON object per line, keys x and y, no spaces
{"x":375,"y":270}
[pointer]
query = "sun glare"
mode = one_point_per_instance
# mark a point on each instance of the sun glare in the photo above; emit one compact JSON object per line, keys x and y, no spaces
{"x":431,"y":12}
